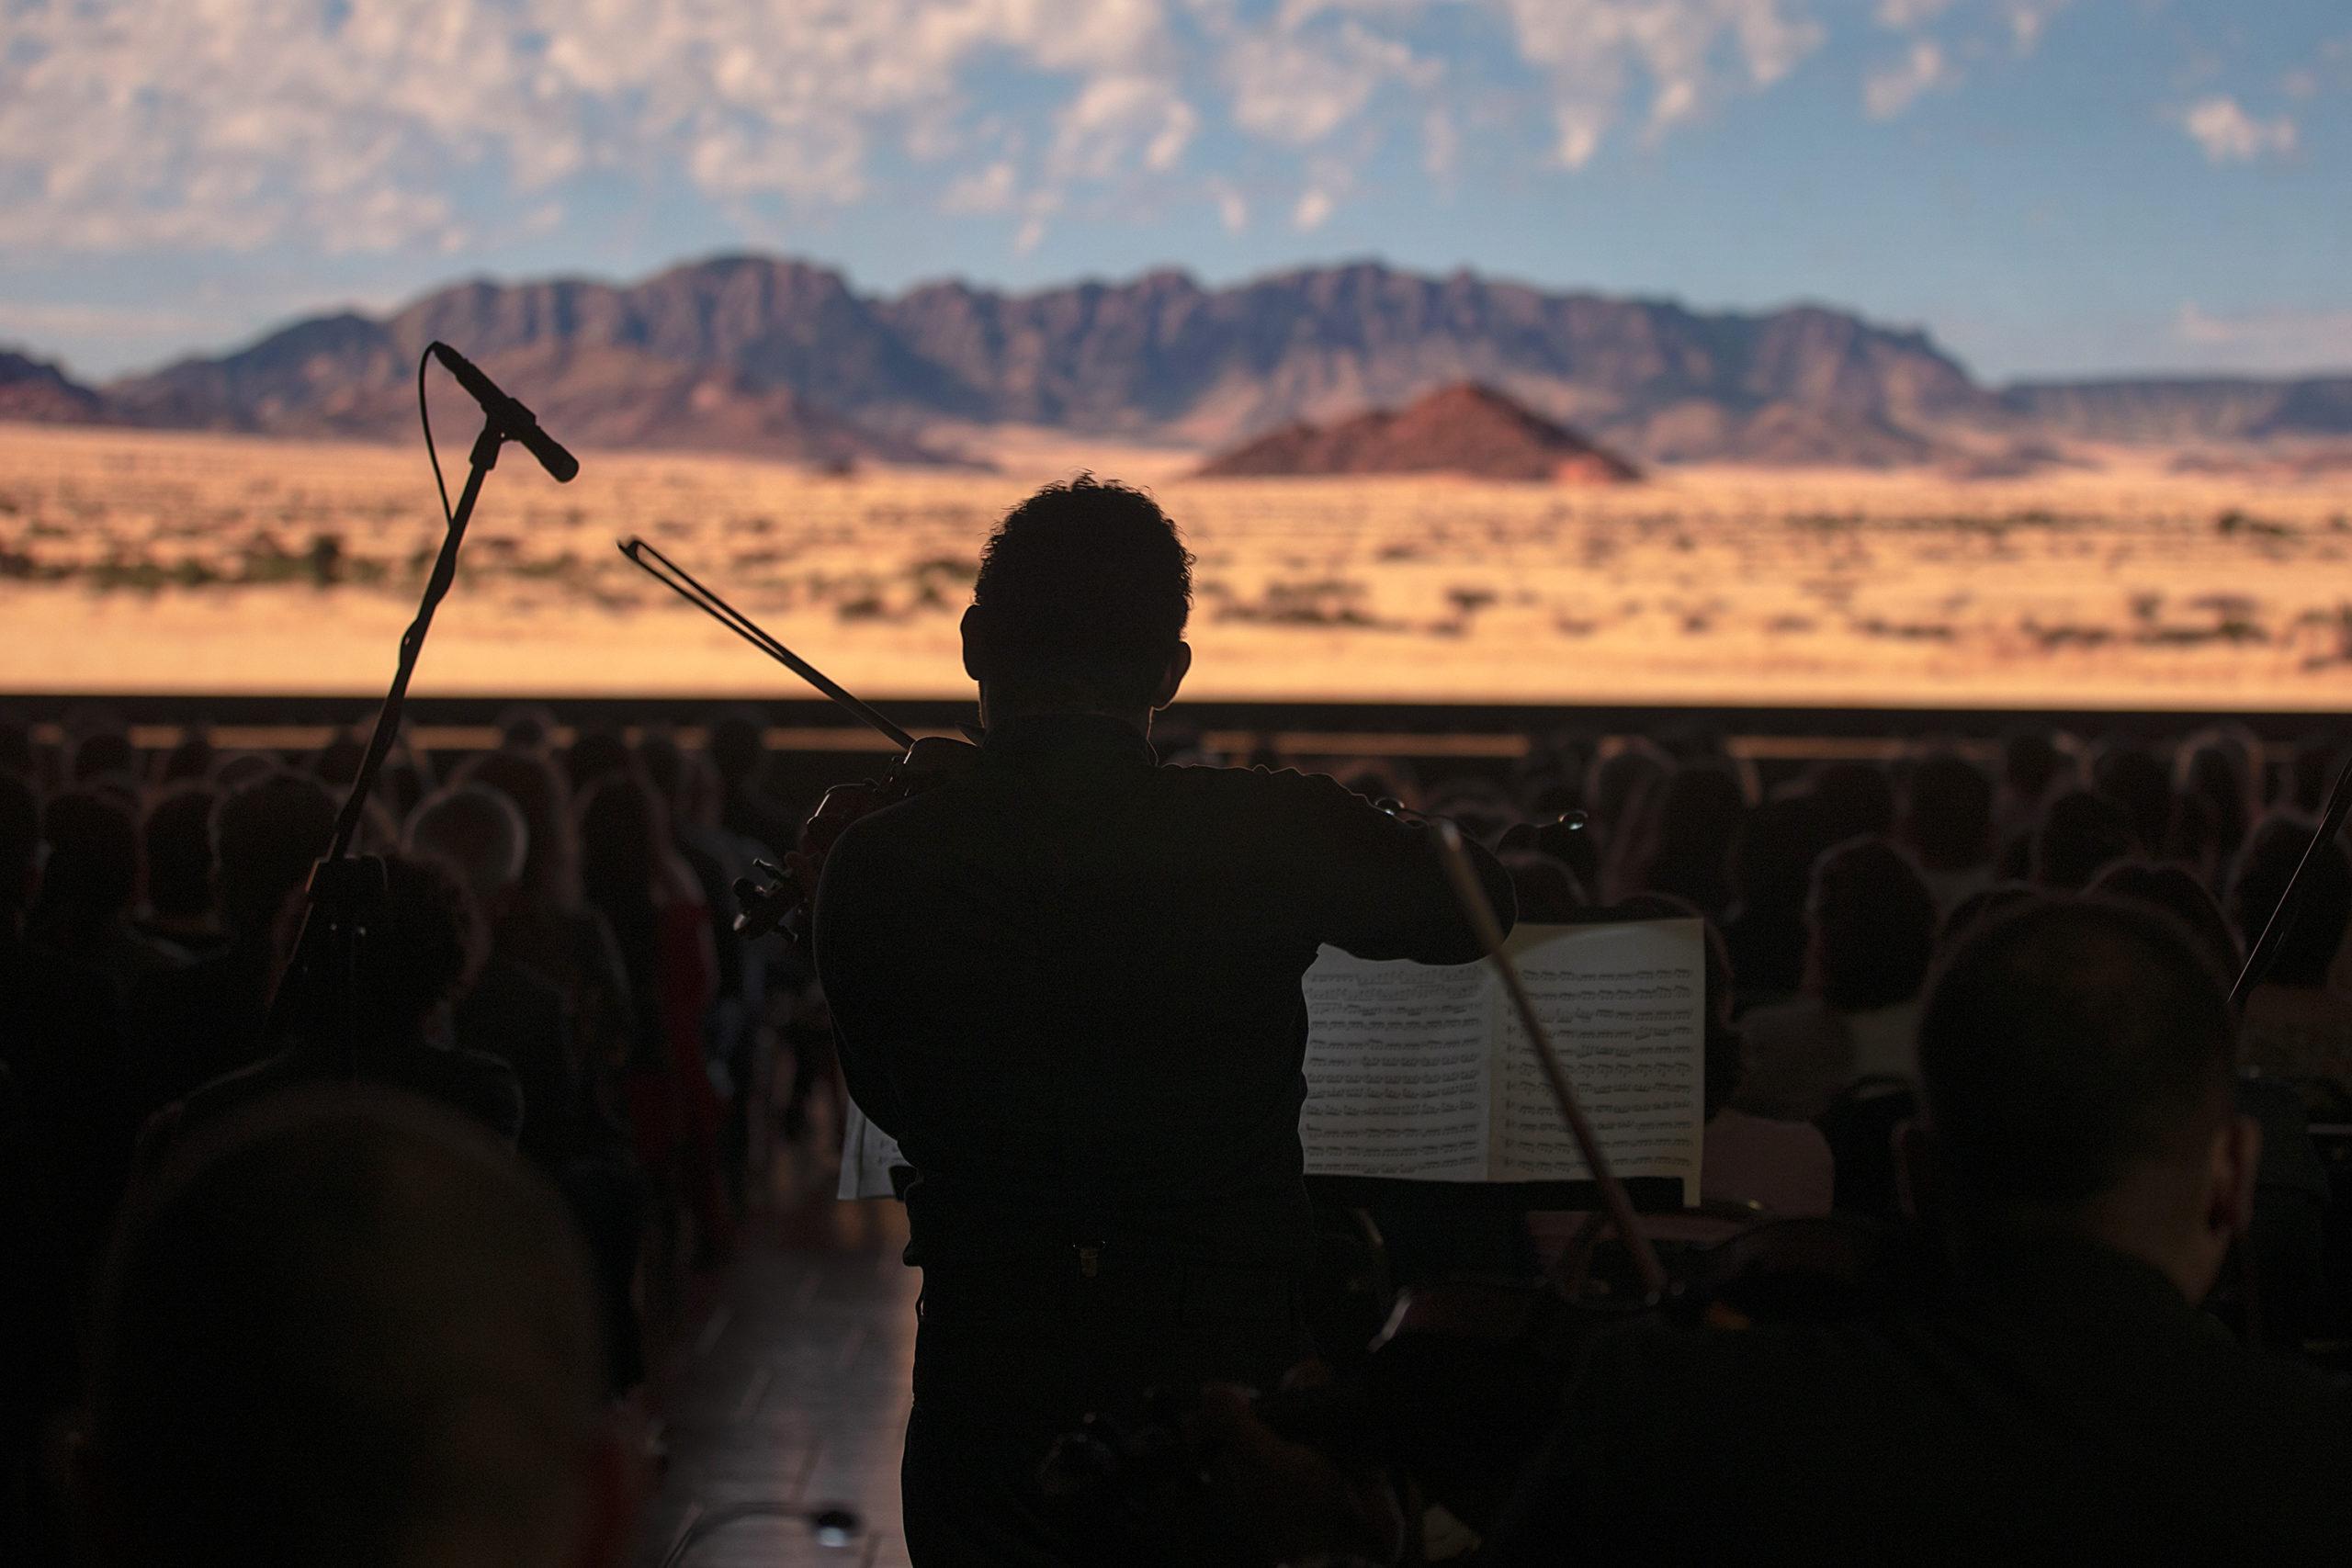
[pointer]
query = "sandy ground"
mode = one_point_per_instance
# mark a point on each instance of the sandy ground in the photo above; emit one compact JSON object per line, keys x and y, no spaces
{"x":211,"y":564}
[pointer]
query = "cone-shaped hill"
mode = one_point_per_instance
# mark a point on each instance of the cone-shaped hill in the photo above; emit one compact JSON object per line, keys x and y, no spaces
{"x":1463,"y":429}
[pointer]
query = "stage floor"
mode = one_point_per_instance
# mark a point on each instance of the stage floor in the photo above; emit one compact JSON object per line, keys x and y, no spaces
{"x":789,"y":1386}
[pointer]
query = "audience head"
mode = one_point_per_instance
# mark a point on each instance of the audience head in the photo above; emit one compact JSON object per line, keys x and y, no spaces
{"x":739,"y":746}
{"x":2311,"y":773}
{"x":528,"y":726}
{"x":1567,"y":839}
{"x":1546,"y":890}
{"x":337,"y":763}
{"x":1947,"y":812}
{"x":593,"y":754}
{"x":103,"y":754}
{"x":2181,"y":896}
{"x":423,"y":948}
{"x":663,"y":762}
{"x":2080,"y":835}
{"x":1696,"y":822}
{"x":192,"y":759}
{"x":1620,"y":777}
{"x":15,"y":748}
{"x":1981,"y":907}
{"x":177,"y":838}
{"x":1772,"y":861}
{"x":2137,"y":784}
{"x":2033,"y":764}
{"x":2077,"y":1059}
{"x":19,"y":846}
{"x":551,"y":845}
{"x":344,"y":1327}
{"x":239,"y":769}
{"x":2221,"y":768}
{"x":1873,"y":927}
{"x":2308,"y":950}
{"x":2192,"y":839}
{"x":265,"y":836}
{"x":1080,"y":603}
{"x":92,"y":872}
{"x":623,"y":834}
{"x":479,"y":833}
{"x":1856,"y":799}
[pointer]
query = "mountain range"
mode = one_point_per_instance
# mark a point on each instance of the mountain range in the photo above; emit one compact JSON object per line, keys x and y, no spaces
{"x":783,"y":358}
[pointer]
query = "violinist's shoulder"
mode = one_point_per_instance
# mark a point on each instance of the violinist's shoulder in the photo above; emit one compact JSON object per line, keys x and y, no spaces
{"x":1274,"y":786}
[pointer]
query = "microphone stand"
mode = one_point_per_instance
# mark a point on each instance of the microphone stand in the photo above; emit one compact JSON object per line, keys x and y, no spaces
{"x":346,"y":889}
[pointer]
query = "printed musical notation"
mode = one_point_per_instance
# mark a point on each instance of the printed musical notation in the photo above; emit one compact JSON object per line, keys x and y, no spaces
{"x":1625,"y":1006}
{"x":1396,"y":1070}
{"x":1425,"y":1073}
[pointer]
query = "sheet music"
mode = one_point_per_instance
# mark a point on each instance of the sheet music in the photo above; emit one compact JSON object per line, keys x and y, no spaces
{"x":1397,"y":1069}
{"x":867,"y":1155}
{"x":1625,"y":1006}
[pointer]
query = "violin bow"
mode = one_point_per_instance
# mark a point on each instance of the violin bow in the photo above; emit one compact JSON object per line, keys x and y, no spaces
{"x":2290,"y":902}
{"x":683,"y":583}
{"x":1481,"y":916}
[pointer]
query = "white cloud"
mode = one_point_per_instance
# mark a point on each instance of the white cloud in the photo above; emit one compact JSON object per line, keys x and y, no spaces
{"x":1313,"y":207}
{"x":991,"y":189}
{"x":2229,"y":135}
{"x":1296,"y":84}
{"x":1690,"y":52}
{"x":2282,"y":341}
{"x":1887,"y":91}
{"x":1117,"y":122}
{"x":1232,"y":207}
{"x":1903,"y":15}
{"x":2028,"y":19}
{"x":355,"y":125}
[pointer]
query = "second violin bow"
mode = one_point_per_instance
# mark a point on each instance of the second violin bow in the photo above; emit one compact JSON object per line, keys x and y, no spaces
{"x":1481,"y":916}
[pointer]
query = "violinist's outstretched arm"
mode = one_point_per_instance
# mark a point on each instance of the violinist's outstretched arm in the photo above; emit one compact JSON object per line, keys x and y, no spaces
{"x":1378,"y":889}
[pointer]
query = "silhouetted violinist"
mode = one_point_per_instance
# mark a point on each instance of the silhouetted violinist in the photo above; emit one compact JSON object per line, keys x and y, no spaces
{"x":1068,"y":980}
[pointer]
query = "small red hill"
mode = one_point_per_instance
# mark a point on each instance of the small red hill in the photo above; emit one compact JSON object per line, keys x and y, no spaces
{"x":1463,"y":429}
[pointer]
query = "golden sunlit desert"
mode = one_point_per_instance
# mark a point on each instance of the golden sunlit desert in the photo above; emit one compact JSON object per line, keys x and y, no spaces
{"x":134,"y":561}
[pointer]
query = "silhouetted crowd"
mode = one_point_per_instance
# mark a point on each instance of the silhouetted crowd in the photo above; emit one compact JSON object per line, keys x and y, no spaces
{"x":552,"y":958}
{"x":553,"y":963}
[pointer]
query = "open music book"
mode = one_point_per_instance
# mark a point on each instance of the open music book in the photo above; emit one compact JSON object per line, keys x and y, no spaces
{"x":1423,"y":1074}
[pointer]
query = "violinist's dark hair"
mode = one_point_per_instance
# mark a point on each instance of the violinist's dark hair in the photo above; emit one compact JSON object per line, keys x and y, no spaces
{"x":1084,"y":591}
{"x":2068,"y":1040}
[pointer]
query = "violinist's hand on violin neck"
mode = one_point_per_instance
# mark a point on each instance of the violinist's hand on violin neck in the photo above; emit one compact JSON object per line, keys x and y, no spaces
{"x":1294,"y":1503}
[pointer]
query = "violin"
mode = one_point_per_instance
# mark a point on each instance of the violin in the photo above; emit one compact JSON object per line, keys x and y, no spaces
{"x":781,"y":902}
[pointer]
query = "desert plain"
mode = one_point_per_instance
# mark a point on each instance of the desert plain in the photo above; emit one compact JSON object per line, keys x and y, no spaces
{"x":163,"y":562}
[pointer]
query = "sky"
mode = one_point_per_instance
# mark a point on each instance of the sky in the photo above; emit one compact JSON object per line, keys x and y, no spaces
{"x":2053,"y":188}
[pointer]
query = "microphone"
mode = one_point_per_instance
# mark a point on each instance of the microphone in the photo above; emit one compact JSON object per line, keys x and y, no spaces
{"x":513,"y":420}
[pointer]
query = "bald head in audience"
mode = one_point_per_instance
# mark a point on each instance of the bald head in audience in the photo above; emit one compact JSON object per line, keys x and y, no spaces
{"x":479,"y":833}
{"x":2075,"y":1059}
{"x":345,"y":1328}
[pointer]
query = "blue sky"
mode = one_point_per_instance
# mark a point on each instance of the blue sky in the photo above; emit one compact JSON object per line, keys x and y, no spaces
{"x":2051,"y":186}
